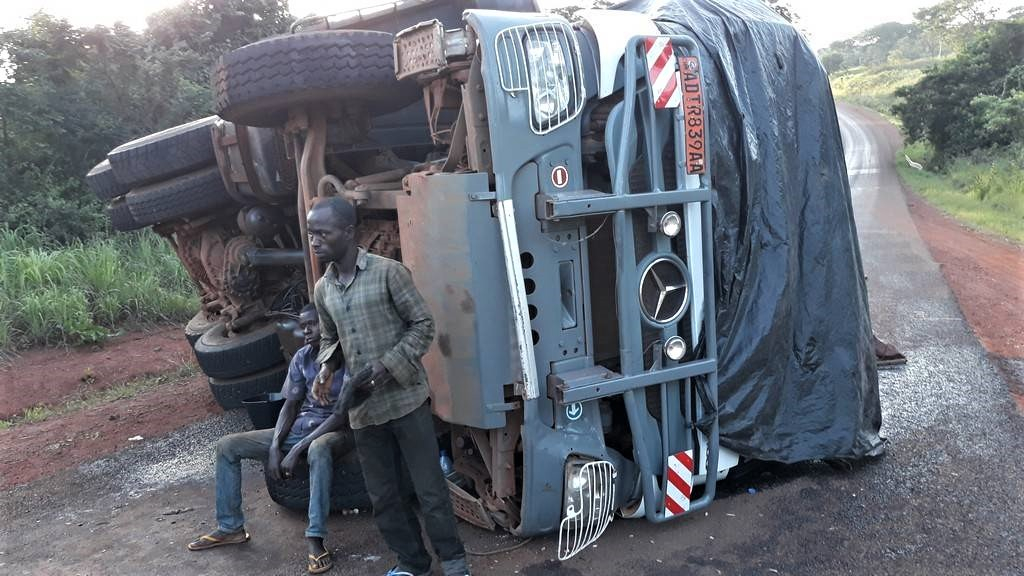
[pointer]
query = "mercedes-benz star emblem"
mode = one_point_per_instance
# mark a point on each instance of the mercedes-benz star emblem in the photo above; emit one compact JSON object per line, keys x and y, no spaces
{"x":663,"y":291}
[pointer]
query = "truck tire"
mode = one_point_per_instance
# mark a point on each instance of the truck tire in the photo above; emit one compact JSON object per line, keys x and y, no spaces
{"x":197,"y":326}
{"x":164,"y":155}
{"x":102,"y":182}
{"x":221,"y":356}
{"x":229,"y":392}
{"x":255,"y":85}
{"x":193,"y":194}
{"x":348,"y":489}
{"x":121,"y":217}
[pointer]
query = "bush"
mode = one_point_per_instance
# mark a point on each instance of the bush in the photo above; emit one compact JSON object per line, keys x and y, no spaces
{"x":984,"y":189}
{"x":78,"y":293}
{"x":969,"y":102}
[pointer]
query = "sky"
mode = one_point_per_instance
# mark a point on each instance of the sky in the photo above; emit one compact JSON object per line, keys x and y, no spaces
{"x":823,"y":21}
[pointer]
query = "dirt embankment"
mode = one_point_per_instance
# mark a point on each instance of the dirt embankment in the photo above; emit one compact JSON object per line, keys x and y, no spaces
{"x":31,"y":450}
{"x":52,"y":375}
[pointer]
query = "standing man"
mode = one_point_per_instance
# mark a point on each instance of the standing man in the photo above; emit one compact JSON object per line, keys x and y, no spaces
{"x":373,"y":316}
{"x":305,"y":426}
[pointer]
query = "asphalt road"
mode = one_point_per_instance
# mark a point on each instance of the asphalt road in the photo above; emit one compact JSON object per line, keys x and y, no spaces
{"x":948,"y":498}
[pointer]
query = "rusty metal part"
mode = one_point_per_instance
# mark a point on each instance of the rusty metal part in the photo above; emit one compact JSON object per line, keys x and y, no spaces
{"x":504,"y":442}
{"x":311,"y":170}
{"x":186,"y":242}
{"x":437,"y":96}
{"x":376,"y":191}
{"x":477,"y":463}
{"x":329,"y":180}
{"x":393,"y":175}
{"x":240,"y":151}
{"x":268,"y":257}
{"x":497,"y":450}
{"x":457,"y":150}
{"x":262,"y":222}
{"x":300,"y":200}
{"x":241,"y":279}
{"x":474,"y":107}
{"x":380,"y":237}
{"x":470,"y":508}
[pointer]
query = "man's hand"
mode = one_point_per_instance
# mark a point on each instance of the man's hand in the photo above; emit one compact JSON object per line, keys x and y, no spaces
{"x":291,"y":460}
{"x":379,"y":377}
{"x":274,"y":463}
{"x":322,"y":384}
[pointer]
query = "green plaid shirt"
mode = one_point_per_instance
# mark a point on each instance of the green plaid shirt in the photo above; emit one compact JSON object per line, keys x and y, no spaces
{"x":379,"y":315}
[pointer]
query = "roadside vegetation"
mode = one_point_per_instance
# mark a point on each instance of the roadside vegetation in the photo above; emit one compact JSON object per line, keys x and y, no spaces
{"x":953,"y":80}
{"x":984,"y":193}
{"x":81,"y":292}
{"x":67,"y":96}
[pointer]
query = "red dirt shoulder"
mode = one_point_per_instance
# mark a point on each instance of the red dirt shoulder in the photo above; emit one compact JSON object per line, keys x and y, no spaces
{"x":51,"y":375}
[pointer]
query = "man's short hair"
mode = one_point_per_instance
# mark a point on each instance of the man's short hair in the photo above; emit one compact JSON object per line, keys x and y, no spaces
{"x":340,"y":208}
{"x":309,"y":308}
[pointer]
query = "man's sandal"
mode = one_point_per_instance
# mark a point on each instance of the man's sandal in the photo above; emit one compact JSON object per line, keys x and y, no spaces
{"x":319,"y":564}
{"x":218,"y":538}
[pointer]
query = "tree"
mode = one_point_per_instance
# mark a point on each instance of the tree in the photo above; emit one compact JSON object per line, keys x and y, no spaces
{"x":954,"y":21}
{"x":197,"y":31}
{"x":833,"y":62}
{"x":68,"y":95}
{"x":957,"y":105}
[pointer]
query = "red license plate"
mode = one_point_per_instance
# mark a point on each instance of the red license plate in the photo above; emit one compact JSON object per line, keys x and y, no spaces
{"x":693,"y":114}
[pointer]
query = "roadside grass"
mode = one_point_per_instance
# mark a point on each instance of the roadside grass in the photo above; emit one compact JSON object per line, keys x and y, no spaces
{"x":984,"y":191}
{"x":80,"y":293}
{"x":43,"y":412}
{"x":874,"y":86}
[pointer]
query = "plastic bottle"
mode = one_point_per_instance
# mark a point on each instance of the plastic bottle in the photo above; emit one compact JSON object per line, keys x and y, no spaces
{"x":447,"y":465}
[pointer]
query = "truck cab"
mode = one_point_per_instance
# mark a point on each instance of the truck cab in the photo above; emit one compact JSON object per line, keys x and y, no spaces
{"x":564,"y":245}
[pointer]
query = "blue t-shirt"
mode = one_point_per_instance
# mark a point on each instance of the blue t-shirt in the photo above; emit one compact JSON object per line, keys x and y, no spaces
{"x":299,"y":386}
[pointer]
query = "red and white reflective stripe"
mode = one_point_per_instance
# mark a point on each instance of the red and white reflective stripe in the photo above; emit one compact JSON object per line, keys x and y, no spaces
{"x":662,"y":73}
{"x":680,"y":480}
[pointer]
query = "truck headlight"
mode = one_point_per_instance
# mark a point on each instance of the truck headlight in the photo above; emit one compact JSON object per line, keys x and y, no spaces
{"x":589,"y":500}
{"x":671,"y":224}
{"x":544,"y":60}
{"x":549,"y":79}
{"x":675,"y":348}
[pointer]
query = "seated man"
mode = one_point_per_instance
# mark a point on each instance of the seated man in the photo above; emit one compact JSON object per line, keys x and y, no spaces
{"x":304,"y":427}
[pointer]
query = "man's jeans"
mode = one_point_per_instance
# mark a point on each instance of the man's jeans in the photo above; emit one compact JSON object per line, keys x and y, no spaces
{"x":390,"y":454}
{"x":255,"y":445}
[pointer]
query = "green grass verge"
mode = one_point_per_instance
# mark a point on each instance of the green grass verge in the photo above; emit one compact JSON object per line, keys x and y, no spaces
{"x":80,"y":293}
{"x":42,"y":412}
{"x":985,"y":191}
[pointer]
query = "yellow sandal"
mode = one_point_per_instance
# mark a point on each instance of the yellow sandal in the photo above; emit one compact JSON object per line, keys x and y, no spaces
{"x":218,"y":538}
{"x":319,"y":564}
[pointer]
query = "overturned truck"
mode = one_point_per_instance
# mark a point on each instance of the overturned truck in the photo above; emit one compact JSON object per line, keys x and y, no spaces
{"x":634,"y":231}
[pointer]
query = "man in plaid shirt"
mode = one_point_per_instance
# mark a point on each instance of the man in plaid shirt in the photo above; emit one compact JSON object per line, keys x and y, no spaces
{"x":372,"y":316}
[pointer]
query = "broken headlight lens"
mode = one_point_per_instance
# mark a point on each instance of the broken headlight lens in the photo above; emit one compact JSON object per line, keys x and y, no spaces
{"x":589,"y":500}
